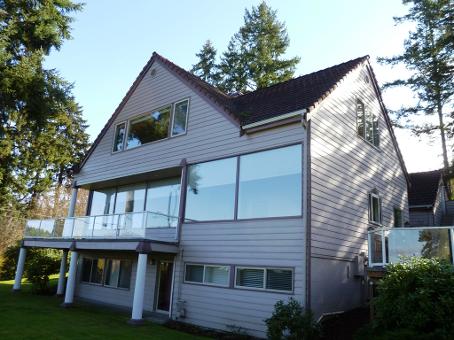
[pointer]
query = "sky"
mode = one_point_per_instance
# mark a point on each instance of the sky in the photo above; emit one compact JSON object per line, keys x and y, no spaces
{"x":113,"y":40}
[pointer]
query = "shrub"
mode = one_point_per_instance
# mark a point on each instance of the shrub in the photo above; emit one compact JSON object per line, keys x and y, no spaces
{"x":38,"y":270}
{"x":416,"y":294}
{"x":291,"y":321}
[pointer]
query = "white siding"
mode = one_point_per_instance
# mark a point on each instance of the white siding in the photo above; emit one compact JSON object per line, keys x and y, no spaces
{"x":260,"y":243}
{"x":210,"y":134}
{"x":344,"y":168}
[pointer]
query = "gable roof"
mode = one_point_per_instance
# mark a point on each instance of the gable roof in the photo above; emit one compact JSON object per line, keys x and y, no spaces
{"x":424,"y":188}
{"x":301,"y":93}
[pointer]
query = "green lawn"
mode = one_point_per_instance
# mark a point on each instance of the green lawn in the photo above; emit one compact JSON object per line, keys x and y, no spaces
{"x":24,"y":315}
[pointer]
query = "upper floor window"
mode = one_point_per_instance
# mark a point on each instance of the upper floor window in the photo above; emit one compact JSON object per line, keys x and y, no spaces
{"x":397,"y":217}
{"x":168,"y":121}
{"x":367,"y":124}
{"x":375,"y":211}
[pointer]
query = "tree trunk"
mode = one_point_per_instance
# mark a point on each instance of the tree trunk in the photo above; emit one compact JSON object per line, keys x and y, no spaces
{"x":443,"y":137}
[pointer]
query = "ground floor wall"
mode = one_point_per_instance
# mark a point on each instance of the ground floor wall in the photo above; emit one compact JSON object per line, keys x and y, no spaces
{"x":335,"y":287}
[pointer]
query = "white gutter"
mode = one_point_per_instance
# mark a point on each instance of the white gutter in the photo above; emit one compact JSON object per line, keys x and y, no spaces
{"x":275,"y":119}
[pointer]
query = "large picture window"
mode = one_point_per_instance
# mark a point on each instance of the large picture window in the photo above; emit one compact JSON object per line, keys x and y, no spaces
{"x":270,"y":183}
{"x":367,"y":124}
{"x":163,"y":199}
{"x":108,"y":272}
{"x":211,"y":190}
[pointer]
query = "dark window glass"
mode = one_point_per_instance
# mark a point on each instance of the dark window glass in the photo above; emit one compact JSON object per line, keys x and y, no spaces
{"x":279,"y":279}
{"x":119,"y":137}
{"x":271,"y":183}
{"x":194,"y":273}
{"x":97,"y":271}
{"x":367,"y":124}
{"x":86,"y":269}
{"x":360,"y":118}
{"x":397,"y":217}
{"x":249,"y":277}
{"x":180,"y":117}
{"x":112,"y":272}
{"x":211,"y":190}
{"x":374,"y":208}
{"x":149,"y":128}
{"x":163,"y":201}
{"x":125,"y":274}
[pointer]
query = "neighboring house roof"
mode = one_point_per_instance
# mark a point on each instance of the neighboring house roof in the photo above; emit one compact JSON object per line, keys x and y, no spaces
{"x":424,"y":188}
{"x":301,"y":93}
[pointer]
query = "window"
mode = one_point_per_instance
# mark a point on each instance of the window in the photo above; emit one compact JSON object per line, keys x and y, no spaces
{"x":180,"y":115}
{"x":108,"y":272}
{"x":163,"y":200}
{"x":211,"y":190}
{"x":279,"y":279}
{"x":397,"y":217}
{"x":148,"y":128}
{"x":367,"y":124}
{"x":271,"y":183}
{"x":207,"y":274}
{"x":102,"y":202}
{"x":120,"y":132}
{"x":375,"y":208}
{"x":130,"y":198}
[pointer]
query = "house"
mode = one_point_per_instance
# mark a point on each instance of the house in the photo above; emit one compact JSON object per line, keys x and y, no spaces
{"x":428,"y":198}
{"x":210,"y":208}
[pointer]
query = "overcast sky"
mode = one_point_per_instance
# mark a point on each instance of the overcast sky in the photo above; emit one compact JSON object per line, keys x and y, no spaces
{"x":112,"y":41}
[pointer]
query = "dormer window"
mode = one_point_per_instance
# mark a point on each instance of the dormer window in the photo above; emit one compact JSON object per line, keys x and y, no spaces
{"x":367,"y":124}
{"x":168,"y":121}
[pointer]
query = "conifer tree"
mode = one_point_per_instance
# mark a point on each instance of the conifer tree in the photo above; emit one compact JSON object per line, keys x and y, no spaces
{"x":429,"y":55}
{"x":206,"y":67}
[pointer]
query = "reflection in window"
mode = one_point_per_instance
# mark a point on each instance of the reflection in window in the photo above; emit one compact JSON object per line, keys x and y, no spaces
{"x":102,"y":202}
{"x":163,"y":200}
{"x":207,"y":274}
{"x":120,"y":131}
{"x":211,"y":190}
{"x":97,"y":271}
{"x":179,"y":117}
{"x":108,"y":272}
{"x":149,"y":128}
{"x":367,"y":124}
{"x":130,"y":198}
{"x":271,"y":183}
{"x":375,"y":208}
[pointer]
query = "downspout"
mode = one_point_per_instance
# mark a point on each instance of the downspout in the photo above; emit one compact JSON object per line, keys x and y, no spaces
{"x":308,"y":214}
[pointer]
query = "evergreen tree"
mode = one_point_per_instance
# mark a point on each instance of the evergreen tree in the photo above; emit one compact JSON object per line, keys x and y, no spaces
{"x":429,"y":54}
{"x":206,"y":67}
{"x":42,"y":132}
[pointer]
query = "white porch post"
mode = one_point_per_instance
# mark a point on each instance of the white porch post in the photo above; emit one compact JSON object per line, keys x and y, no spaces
{"x":72,"y":203}
{"x":71,"y":284}
{"x":19,"y":269}
{"x":139,"y":289}
{"x":61,"y":277}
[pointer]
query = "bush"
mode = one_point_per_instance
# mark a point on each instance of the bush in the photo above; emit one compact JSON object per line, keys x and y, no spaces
{"x":290,"y":321}
{"x":39,"y":263}
{"x":416,"y":294}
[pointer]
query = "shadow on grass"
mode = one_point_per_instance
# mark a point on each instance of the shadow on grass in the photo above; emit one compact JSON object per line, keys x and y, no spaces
{"x":24,"y":315}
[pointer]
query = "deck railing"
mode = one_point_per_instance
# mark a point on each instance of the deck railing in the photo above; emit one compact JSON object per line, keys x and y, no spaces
{"x":391,"y":245}
{"x":126,"y":225}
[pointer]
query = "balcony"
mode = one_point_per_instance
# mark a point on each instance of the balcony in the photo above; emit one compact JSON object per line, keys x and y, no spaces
{"x":391,"y":245}
{"x":134,"y":225}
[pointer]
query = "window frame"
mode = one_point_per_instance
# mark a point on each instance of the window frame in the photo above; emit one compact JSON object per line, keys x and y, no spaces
{"x":364,"y":117}
{"x":205,"y":265}
{"x":173,"y":118}
{"x":124,"y":136}
{"x":371,"y":196}
{"x":103,"y":280}
{"x":265,"y":270}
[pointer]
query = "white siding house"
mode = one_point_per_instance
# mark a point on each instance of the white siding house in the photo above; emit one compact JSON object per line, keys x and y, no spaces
{"x":210,"y":208}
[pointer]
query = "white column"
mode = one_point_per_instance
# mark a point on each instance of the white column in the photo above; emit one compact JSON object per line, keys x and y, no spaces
{"x":19,"y":269}
{"x":72,"y":203}
{"x":61,"y":277}
{"x":70,"y":285}
{"x":139,"y":289}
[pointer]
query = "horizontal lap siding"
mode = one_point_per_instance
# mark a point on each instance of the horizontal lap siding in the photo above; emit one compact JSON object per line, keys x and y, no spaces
{"x":210,"y":134}
{"x":344,"y":168}
{"x":274,"y":243}
{"x":422,"y":218}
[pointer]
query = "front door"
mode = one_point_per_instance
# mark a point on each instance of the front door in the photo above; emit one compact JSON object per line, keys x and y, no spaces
{"x":165,"y":271}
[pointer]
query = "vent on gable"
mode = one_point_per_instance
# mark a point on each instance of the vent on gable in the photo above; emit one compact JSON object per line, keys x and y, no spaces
{"x":153,"y":72}
{"x":366,"y":79}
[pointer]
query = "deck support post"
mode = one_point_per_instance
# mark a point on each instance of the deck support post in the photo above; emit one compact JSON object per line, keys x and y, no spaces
{"x":71,"y":283}
{"x":19,"y":269}
{"x":62,"y":274}
{"x":72,"y":203}
{"x":139,"y":289}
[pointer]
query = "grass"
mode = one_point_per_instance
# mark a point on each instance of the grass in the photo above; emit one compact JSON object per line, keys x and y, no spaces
{"x":25,"y":315}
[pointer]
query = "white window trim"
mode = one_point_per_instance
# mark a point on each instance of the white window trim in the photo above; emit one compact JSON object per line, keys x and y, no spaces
{"x":123,"y":144}
{"x":203,"y":276}
{"x":265,"y":270}
{"x":173,"y":118}
{"x":380,"y":216}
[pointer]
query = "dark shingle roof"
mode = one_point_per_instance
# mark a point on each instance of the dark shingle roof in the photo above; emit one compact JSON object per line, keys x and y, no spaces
{"x":424,"y":187}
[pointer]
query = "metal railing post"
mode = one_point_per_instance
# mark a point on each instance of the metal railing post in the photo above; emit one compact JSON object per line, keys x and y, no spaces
{"x":451,"y":231}
{"x":383,"y":247}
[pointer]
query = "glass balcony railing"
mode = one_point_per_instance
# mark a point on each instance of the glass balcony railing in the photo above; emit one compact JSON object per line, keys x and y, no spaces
{"x":127,"y":225}
{"x":391,"y":245}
